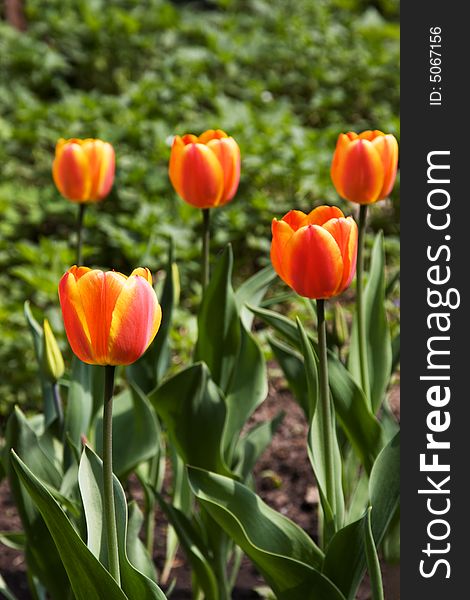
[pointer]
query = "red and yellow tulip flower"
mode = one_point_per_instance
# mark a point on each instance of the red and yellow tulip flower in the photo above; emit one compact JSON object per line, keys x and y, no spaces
{"x":110,"y":319}
{"x":364,"y":166}
{"x":315,"y":254}
{"x":205,"y":170}
{"x":83,"y":170}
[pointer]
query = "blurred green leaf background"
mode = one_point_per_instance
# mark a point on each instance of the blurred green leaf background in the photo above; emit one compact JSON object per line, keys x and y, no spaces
{"x":284,"y":77}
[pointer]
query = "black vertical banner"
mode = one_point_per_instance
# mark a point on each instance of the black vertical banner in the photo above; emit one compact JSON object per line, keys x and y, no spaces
{"x":435,"y":305}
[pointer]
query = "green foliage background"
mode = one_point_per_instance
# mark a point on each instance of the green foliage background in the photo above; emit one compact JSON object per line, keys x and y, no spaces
{"x":284,"y":77}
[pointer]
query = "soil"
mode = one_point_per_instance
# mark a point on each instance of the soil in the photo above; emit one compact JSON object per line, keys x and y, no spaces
{"x":283,"y":478}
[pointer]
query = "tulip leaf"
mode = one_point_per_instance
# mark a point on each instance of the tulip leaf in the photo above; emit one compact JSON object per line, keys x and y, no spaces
{"x":136,"y":551}
{"x":191,"y":405}
{"x":4,"y":590}
{"x":152,"y":366}
{"x":252,"y":445}
{"x":251,"y":292}
{"x":384,"y":494}
{"x":219,"y":334}
{"x":88,"y":577}
{"x":79,"y":410}
{"x":361,"y":427}
{"x":292,"y":365}
{"x":378,"y":343}
{"x":43,"y":558}
{"x":283,"y":553}
{"x":195,"y":549}
{"x":13,"y":539}
{"x":50,"y":412}
{"x":134,"y":583}
{"x":135,"y":431}
{"x":333,"y":504}
{"x":372,"y":560}
{"x":248,"y":388}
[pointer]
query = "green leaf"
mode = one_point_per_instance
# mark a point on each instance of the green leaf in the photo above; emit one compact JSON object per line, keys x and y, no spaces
{"x":50,"y":412}
{"x":194,"y":548}
{"x":379,"y":350}
{"x":136,"y":551}
{"x":333,"y":507}
{"x":372,"y":559}
{"x":13,"y":539}
{"x":218,"y":340}
{"x":248,"y":388}
{"x":135,"y":431}
{"x":4,"y":591}
{"x":134,"y":583}
{"x":42,"y":556}
{"x":292,"y":365}
{"x":252,"y":445}
{"x":79,"y":410}
{"x":345,"y":559}
{"x":191,"y":406}
{"x":360,"y":425}
{"x":251,"y":292}
{"x":88,"y":577}
{"x":152,"y":366}
{"x":284,"y":554}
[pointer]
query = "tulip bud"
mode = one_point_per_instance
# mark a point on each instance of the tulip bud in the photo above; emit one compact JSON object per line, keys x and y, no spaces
{"x":340,"y":327}
{"x":83,"y":170}
{"x":205,"y":170}
{"x":52,"y":361}
{"x":109,"y":319}
{"x":315,"y":254}
{"x":364,"y":166}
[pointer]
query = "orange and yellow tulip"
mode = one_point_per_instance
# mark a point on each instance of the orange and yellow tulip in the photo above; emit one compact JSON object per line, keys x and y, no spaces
{"x":83,"y":170}
{"x":315,"y":254}
{"x":109,"y":319}
{"x":364,"y":166}
{"x":205,"y":170}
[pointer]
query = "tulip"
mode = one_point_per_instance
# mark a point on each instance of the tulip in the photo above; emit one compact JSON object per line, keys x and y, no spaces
{"x":205,"y":170}
{"x":83,"y":170}
{"x":364,"y":166}
{"x":315,"y":254}
{"x":110,"y":319}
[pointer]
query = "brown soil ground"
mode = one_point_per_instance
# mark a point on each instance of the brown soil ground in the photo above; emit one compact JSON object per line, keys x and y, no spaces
{"x":283,"y":478}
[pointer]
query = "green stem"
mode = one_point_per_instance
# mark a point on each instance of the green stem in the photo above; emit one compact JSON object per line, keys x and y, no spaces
{"x":81,"y":214}
{"x":150,"y":508}
{"x":58,"y":406}
{"x":325,"y":412}
{"x":361,"y":319}
{"x":205,"y":246}
{"x":108,"y":490}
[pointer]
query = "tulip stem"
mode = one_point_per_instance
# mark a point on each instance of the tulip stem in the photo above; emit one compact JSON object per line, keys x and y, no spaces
{"x":326,"y":427}
{"x":58,"y":406}
{"x":108,"y":489}
{"x":361,"y":319}
{"x":81,"y":214}
{"x":206,"y":236}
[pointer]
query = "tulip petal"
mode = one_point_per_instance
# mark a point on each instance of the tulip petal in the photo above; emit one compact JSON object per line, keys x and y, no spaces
{"x":71,"y":173}
{"x":200,"y":176}
{"x":322,"y":214}
{"x":358,"y":173}
{"x":142,"y":272}
{"x":295,"y":219}
{"x":387,"y":147}
{"x":98,"y":293}
{"x":102,"y":164}
{"x":344,"y":232}
{"x":76,"y":326}
{"x":282,"y":233}
{"x":313,"y":263}
{"x":211,"y":134}
{"x":227,"y":151}
{"x":135,"y":321}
